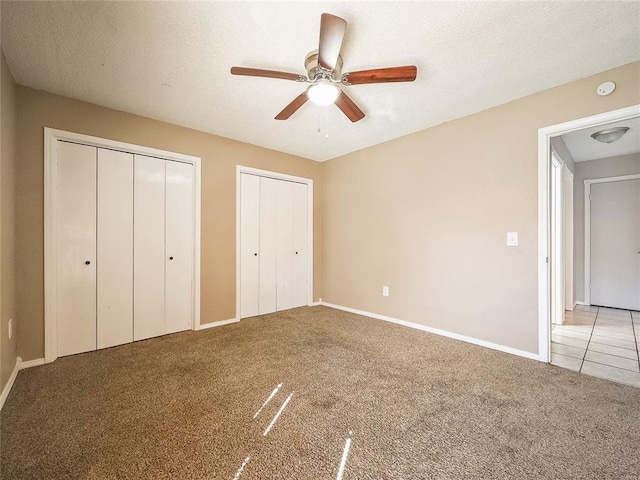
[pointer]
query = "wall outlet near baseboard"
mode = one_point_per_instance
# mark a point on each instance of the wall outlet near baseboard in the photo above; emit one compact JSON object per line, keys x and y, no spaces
{"x":10,"y":328}
{"x":385,"y":291}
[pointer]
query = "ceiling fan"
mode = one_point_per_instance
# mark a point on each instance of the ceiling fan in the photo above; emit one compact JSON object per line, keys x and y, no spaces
{"x":324,"y":67}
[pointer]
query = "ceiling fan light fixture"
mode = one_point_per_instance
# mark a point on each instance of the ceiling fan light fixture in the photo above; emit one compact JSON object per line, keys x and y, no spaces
{"x":323,"y":93}
{"x":610,"y":135}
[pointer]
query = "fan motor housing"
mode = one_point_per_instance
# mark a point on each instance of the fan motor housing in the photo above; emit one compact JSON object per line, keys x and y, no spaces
{"x":313,"y":69}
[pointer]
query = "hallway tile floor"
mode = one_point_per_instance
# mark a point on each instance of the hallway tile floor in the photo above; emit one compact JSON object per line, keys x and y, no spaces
{"x":599,"y":341}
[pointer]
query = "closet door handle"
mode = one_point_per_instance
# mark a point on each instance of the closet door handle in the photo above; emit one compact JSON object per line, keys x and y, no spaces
{"x":87,"y":262}
{"x":170,"y":258}
{"x":255,"y":254}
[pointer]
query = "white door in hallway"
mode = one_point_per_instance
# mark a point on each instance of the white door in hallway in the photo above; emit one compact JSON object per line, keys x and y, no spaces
{"x":615,"y":244}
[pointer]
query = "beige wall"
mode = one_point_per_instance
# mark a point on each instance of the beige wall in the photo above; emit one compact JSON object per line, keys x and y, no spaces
{"x":219,"y":159}
{"x":8,"y":121}
{"x":427,"y":214}
{"x":606,"y":167}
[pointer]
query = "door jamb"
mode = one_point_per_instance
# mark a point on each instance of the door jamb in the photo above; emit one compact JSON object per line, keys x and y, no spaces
{"x":51,"y":137}
{"x":557,"y":262}
{"x":544,"y":164}
{"x":569,"y":275}
{"x":587,"y":226}
{"x":240,"y":169}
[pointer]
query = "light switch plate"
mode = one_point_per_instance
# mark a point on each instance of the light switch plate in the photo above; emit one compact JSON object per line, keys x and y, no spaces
{"x":385,"y":291}
{"x":512,"y":239}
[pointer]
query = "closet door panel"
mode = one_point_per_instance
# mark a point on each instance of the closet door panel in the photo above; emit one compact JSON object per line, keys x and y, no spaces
{"x":268,"y":244}
{"x":300,"y":253}
{"x":76,"y":248}
{"x":148,"y":247}
{"x":285,"y":245}
{"x":179,"y":246}
{"x":249,"y":245}
{"x":115,"y":248}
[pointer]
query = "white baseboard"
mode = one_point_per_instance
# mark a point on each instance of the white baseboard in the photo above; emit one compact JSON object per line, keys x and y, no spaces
{"x":32,"y":363}
{"x":583,"y":303}
{"x":315,"y":304}
{"x":204,"y":326}
{"x":20,"y":365}
{"x":12,"y":378}
{"x":437,"y":331}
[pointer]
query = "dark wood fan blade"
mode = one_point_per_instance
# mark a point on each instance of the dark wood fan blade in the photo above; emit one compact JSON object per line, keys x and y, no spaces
{"x":293,"y":106}
{"x":381,"y":75}
{"x":349,"y":108}
{"x":332,"y":30}
{"x":256,"y":72}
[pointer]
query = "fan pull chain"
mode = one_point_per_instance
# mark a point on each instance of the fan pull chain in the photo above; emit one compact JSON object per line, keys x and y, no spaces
{"x":326,"y":122}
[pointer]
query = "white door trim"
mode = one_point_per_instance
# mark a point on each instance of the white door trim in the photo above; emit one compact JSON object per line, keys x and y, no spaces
{"x":240,"y":169}
{"x":556,"y":259}
{"x":51,"y":136}
{"x":569,"y":296}
{"x":544,"y":164}
{"x":587,"y":226}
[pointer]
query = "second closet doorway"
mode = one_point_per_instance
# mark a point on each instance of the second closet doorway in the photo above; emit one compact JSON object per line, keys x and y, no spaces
{"x":274,"y":242}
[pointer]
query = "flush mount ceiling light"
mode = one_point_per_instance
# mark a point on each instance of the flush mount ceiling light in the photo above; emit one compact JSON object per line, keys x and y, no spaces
{"x":323,"y":93}
{"x":610,"y":135}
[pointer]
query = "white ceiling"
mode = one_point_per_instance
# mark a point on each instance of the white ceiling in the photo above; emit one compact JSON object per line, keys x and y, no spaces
{"x":584,"y":148}
{"x":170,"y":61}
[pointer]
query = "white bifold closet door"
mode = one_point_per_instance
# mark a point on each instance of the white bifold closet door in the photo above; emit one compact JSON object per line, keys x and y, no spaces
{"x":273,"y":245}
{"x":163,"y":252}
{"x":76,"y":248}
{"x":284,"y":230}
{"x":149,"y":254}
{"x":268,"y":245}
{"x":249,"y":245}
{"x":124,"y":247}
{"x":94,"y":248}
{"x":115,"y":248}
{"x":179,"y":254}
{"x":300,"y":246}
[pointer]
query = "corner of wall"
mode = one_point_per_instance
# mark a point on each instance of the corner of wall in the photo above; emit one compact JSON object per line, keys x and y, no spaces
{"x":9,"y":361}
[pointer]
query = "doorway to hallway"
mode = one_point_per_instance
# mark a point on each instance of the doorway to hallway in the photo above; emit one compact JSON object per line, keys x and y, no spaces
{"x":555,"y":276}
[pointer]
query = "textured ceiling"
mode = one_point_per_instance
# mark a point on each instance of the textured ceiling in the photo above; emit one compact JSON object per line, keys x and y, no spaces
{"x":583,"y":148}
{"x":170,"y":61}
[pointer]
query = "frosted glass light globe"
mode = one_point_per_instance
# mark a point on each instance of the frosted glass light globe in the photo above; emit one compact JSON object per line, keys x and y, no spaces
{"x":323,"y":93}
